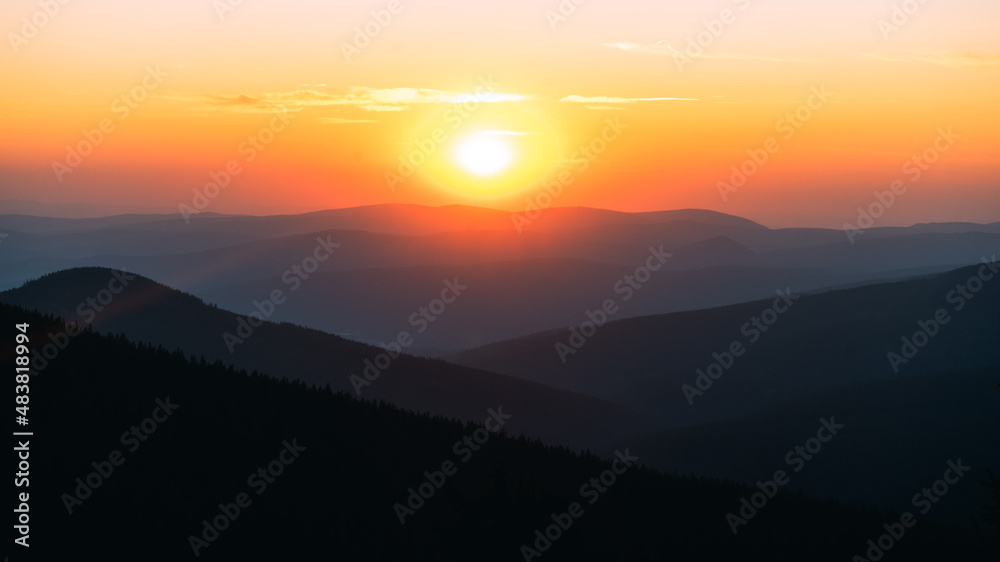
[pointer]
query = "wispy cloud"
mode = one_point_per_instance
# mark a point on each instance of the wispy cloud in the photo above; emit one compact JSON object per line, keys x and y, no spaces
{"x":952,"y":59}
{"x":493,"y":132}
{"x":484,"y":97}
{"x":638,"y":48}
{"x":368,"y":99}
{"x":615,"y":100}
{"x":659,"y":49}
{"x":971,"y":59}
{"x":343,"y":121}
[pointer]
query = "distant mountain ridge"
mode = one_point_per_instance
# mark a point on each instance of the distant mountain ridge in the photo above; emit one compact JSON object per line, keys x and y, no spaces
{"x":566,"y":260}
{"x":390,"y":218}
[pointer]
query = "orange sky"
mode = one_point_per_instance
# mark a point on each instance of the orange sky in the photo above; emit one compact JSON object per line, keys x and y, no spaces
{"x":181,"y":87}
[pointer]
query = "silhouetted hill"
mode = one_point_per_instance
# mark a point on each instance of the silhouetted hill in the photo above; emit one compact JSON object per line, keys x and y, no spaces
{"x":231,"y":260}
{"x":714,"y":252}
{"x":398,"y":219}
{"x":898,"y":435}
{"x":582,"y":217}
{"x":217,"y":250}
{"x":821,"y":342}
{"x":402,"y":235}
{"x":335,"y":467}
{"x":152,"y":313}
{"x":505,"y":299}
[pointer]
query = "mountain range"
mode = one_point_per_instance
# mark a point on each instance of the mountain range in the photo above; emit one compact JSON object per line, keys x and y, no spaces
{"x":712,"y":344}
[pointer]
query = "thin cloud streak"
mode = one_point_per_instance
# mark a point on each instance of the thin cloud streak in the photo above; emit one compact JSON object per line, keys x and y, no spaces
{"x":668,"y":51}
{"x":615,"y":100}
{"x":364,"y":98}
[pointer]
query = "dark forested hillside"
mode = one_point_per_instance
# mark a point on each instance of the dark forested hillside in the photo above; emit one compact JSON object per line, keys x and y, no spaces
{"x":160,"y":441}
{"x":149,"y":312}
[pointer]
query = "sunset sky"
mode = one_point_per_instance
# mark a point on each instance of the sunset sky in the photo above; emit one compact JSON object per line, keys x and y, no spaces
{"x":504,"y":95}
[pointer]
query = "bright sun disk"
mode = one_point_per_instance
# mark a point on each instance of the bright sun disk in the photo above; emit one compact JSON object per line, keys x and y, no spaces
{"x":484,"y":155}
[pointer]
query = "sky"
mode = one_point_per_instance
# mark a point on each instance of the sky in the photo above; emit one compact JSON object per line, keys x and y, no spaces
{"x":791,"y":112}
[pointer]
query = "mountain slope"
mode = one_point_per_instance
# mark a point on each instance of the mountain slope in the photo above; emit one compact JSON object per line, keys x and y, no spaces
{"x":898,"y":435}
{"x":336,"y":467}
{"x":822,"y":341}
{"x":149,"y":312}
{"x":504,"y":299}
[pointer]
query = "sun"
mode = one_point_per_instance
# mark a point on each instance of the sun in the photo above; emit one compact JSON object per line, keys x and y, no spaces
{"x":484,"y":154}
{"x":498,"y":151}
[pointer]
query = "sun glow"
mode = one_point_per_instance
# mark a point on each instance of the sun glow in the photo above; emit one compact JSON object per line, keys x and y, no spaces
{"x":484,"y":154}
{"x":497,"y":151}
